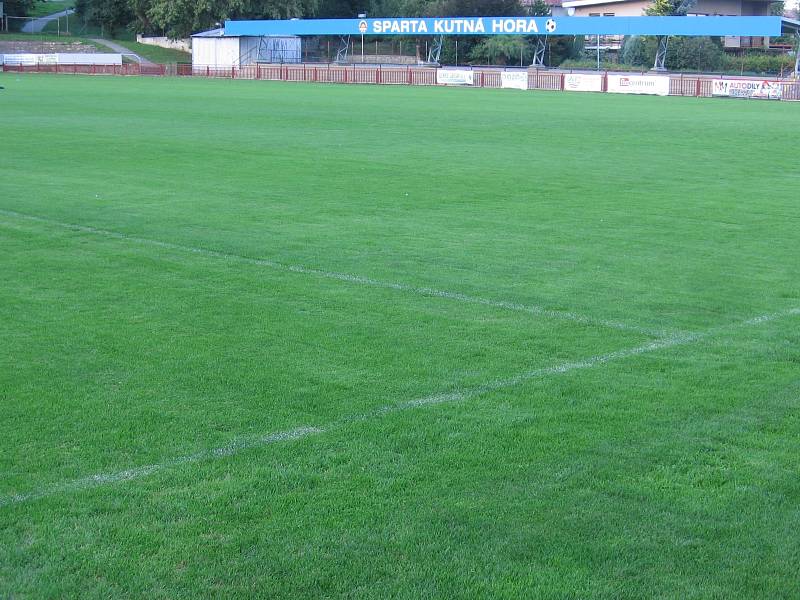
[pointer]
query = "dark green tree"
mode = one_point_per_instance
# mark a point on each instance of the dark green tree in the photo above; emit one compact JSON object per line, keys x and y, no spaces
{"x":539,"y":8}
{"x":18,"y":8}
{"x":112,"y":15}
{"x":502,"y":50}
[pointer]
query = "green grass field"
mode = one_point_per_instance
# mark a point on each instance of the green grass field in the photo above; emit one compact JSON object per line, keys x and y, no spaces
{"x":156,"y":54}
{"x":290,"y":340}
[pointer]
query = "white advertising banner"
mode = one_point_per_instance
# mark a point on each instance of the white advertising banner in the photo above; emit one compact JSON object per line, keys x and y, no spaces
{"x":94,"y":58}
{"x":748,"y":88}
{"x":517,"y":80}
{"x":31,"y":60}
{"x":639,"y":84}
{"x":453,"y":77}
{"x":582,"y":82}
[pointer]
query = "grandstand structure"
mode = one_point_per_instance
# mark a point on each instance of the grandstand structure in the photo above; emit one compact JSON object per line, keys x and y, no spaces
{"x":241,"y":39}
{"x":692,"y":8}
{"x":218,"y":48}
{"x":792,"y":27}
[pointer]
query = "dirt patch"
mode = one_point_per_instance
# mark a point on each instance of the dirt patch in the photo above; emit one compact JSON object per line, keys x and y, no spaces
{"x":35,"y":47}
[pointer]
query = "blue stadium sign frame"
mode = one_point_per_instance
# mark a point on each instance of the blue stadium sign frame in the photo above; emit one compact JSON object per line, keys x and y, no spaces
{"x":688,"y":26}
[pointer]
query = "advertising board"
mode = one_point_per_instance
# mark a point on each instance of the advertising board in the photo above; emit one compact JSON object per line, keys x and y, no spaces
{"x":748,"y":88}
{"x":454,"y":77}
{"x":517,"y":80}
{"x":657,"y":85}
{"x":581,"y":82}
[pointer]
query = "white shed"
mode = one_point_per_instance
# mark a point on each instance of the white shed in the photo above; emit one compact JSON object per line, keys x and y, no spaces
{"x":215,"y":49}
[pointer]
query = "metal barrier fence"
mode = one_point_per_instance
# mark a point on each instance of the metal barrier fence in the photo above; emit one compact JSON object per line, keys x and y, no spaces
{"x":124,"y":69}
{"x":679,"y":84}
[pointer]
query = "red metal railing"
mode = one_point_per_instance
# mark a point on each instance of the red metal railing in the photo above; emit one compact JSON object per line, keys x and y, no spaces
{"x":680,"y":85}
{"x":791,"y":91}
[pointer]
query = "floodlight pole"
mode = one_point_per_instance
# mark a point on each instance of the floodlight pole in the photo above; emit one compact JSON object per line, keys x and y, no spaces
{"x":344,"y":47}
{"x":362,"y":16}
{"x":435,"y":50}
{"x":598,"y":51}
{"x":797,"y":55}
{"x":661,"y":53}
{"x":539,"y":51}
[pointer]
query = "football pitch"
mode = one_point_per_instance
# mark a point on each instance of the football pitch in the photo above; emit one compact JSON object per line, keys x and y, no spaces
{"x":294,"y":340}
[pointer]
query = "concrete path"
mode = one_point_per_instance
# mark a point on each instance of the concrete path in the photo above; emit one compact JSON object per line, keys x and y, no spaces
{"x":123,"y":50}
{"x":37,"y":25}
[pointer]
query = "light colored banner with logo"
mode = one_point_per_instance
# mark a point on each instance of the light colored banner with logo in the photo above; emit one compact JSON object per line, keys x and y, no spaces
{"x":748,"y":88}
{"x":31,"y":60}
{"x":453,"y":77}
{"x":718,"y":26}
{"x":517,"y":80}
{"x":639,"y":84}
{"x":581,"y":82}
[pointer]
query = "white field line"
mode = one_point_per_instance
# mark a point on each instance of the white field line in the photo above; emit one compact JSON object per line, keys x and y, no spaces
{"x":238,"y":445}
{"x":589,"y":363}
{"x":357,"y":279}
{"x":233,"y":447}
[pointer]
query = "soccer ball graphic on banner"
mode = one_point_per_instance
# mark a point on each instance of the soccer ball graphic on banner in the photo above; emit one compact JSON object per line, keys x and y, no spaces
{"x":550,"y":26}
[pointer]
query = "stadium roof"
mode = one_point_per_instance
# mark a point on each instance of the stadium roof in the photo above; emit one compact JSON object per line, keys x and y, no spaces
{"x":790,"y":25}
{"x":220,"y":33}
{"x":579,"y":3}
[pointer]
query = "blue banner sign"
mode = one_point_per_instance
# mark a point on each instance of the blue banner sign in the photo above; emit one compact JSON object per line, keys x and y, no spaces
{"x":715,"y":26}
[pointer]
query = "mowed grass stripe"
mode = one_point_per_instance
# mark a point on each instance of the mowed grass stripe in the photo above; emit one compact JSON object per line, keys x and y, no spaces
{"x":546,"y":493}
{"x":670,"y":474}
{"x":356,"y":279}
{"x":147,"y":353}
{"x":237,"y":445}
{"x":551,"y":200}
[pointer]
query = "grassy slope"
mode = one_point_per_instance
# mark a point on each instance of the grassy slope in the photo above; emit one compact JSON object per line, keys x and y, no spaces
{"x":42,"y":9}
{"x":152,"y":53}
{"x":156,"y":54}
{"x":671,"y":474}
{"x":46,"y":37}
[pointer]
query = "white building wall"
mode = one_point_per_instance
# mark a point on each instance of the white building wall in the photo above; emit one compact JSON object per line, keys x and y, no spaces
{"x":273,"y":48}
{"x":248,"y":50}
{"x":165,"y":42}
{"x":215,"y":52}
{"x":637,"y":8}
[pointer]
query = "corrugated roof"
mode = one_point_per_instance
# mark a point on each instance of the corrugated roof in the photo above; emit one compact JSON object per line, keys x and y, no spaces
{"x":220,"y":32}
{"x":790,"y":25}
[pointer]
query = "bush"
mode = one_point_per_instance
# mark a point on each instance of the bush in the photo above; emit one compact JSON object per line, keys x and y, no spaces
{"x":760,"y":63}
{"x":502,"y":50}
{"x":702,"y":54}
{"x":585,"y":64}
{"x":695,"y":54}
{"x":638,"y":51}
{"x":684,"y":53}
{"x":563,"y":47}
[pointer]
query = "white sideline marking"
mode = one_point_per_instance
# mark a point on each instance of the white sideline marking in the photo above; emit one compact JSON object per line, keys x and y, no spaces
{"x":233,"y":447}
{"x":771,"y":317}
{"x":587,"y":363}
{"x":358,"y":279}
{"x":237,"y":445}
